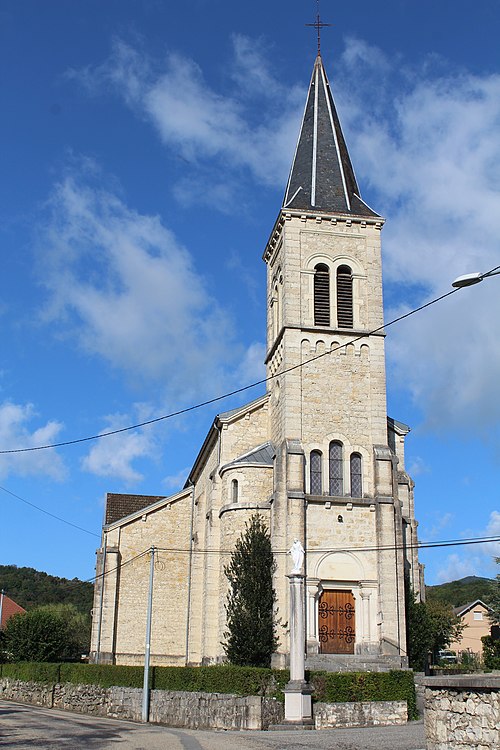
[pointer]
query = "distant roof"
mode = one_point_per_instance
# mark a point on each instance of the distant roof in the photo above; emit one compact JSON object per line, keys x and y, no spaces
{"x":401,"y":426}
{"x":263,"y":455}
{"x":118,"y":506}
{"x":243,"y":408}
{"x":322,"y":178}
{"x":9,"y":608}
{"x":466,"y":607}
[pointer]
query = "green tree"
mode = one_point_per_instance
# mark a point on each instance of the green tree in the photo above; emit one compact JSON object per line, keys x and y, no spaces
{"x":77,"y":628}
{"x":494,"y":600}
{"x":36,"y":636}
{"x":250,"y":638}
{"x":430,"y":626}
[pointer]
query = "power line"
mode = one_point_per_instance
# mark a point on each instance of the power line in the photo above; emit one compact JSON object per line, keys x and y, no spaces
{"x":48,"y":513}
{"x":374,"y":548}
{"x":235,"y":392}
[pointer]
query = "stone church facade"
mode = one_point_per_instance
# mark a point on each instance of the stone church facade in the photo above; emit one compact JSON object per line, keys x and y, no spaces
{"x":316,"y":456}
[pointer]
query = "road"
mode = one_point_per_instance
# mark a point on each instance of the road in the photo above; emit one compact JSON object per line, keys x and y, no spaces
{"x":25,"y":727}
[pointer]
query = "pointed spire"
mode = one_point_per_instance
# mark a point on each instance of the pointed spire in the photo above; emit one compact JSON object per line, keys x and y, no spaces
{"x":322,"y":178}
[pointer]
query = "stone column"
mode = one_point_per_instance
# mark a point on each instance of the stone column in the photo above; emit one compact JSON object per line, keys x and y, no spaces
{"x":298,"y":704}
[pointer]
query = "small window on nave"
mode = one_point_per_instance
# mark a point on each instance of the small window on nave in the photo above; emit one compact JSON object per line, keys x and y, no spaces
{"x":316,"y":484}
{"x":356,"y":475}
{"x":345,"y":317}
{"x":234,"y":491}
{"x":321,"y":295}
{"x":336,"y":470}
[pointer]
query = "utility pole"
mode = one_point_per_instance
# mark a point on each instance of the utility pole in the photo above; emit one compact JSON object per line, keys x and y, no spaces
{"x":147,"y":648}
{"x":1,"y":606}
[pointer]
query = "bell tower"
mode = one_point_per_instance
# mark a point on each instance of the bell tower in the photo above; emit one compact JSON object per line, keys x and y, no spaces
{"x":336,"y":478}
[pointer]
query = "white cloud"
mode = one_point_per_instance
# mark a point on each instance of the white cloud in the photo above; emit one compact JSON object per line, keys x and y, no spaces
{"x":114,"y":456}
{"x":127,"y":291}
{"x":418,"y":466}
{"x":175,"y":482}
{"x":431,"y":160}
{"x":474,"y":560}
{"x":16,"y":432}
{"x":203,"y":124}
{"x":439,"y":523}
{"x":456,"y":567}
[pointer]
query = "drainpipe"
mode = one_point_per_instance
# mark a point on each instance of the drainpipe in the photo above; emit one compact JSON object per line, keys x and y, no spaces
{"x":190,"y":566}
{"x":147,"y":648}
{"x":101,"y":602}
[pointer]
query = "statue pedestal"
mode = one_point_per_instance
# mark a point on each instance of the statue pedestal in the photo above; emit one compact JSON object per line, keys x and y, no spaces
{"x":298,"y":703}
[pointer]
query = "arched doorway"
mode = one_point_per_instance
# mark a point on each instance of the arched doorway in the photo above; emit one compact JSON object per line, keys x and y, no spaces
{"x":337,"y":622}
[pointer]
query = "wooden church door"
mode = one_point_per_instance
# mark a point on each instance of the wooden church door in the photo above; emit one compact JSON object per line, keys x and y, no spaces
{"x":337,"y":627}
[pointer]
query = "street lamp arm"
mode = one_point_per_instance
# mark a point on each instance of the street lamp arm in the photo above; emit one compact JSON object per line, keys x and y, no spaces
{"x":468,"y":279}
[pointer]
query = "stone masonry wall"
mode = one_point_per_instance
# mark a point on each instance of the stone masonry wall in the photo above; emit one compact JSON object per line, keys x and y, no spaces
{"x":174,"y":709}
{"x":195,"y":710}
{"x":363,"y":714}
{"x":462,"y":712}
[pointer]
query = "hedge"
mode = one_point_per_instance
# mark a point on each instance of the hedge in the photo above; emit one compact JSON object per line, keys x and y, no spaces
{"x":344,"y":687}
{"x":329,"y":687}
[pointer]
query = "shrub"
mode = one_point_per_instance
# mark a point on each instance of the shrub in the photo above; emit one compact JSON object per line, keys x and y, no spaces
{"x":491,"y":652}
{"x":38,"y":635}
{"x":345,"y":687}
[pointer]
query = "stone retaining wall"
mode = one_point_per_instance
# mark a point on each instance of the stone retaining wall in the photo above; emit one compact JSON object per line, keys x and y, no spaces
{"x":363,"y":714}
{"x":462,"y":711}
{"x":175,"y":709}
{"x":195,"y":710}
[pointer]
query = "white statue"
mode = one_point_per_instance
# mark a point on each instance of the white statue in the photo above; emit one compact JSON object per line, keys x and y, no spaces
{"x":297,"y":553}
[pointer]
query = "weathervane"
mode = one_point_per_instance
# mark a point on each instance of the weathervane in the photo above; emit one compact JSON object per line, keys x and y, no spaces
{"x":318,"y":25}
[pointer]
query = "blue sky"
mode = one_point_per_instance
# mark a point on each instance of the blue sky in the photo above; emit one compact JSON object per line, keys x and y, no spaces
{"x":145,"y":151}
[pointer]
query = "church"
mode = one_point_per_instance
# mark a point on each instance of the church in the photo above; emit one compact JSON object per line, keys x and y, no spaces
{"x":316,"y":456}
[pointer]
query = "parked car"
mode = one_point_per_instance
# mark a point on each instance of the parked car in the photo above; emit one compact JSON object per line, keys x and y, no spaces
{"x":446,"y":656}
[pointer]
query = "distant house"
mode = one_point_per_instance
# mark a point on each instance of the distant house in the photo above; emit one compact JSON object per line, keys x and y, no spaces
{"x":8,"y":608}
{"x":474,"y":617}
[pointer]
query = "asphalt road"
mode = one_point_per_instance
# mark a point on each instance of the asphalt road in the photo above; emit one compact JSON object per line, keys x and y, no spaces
{"x":25,"y":727}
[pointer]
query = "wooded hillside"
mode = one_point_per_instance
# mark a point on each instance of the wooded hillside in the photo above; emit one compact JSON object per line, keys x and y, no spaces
{"x":462,"y":591}
{"x":30,"y":588}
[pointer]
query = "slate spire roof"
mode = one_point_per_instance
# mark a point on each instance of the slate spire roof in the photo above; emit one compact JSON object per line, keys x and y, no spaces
{"x":322,"y":178}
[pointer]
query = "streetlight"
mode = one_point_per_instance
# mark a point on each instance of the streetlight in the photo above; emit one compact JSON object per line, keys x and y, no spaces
{"x":468,"y":279}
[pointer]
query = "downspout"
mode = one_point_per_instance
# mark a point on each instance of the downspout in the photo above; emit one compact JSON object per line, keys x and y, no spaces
{"x":188,"y":614}
{"x":101,"y":601}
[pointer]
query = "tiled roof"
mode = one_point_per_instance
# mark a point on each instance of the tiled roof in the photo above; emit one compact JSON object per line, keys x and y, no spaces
{"x":322,"y":178}
{"x":9,"y":608}
{"x":118,"y":506}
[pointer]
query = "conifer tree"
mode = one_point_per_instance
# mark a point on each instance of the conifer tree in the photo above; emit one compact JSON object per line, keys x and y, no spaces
{"x":250,"y":638}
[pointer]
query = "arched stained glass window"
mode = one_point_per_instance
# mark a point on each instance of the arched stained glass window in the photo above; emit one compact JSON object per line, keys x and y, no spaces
{"x":345,"y":317}
{"x":234,"y":491}
{"x":336,"y":469}
{"x":315,"y":473}
{"x":356,"y":475}
{"x":321,"y":295}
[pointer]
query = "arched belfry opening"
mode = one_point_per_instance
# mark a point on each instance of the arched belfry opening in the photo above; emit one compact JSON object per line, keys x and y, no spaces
{"x":345,"y":316}
{"x":321,"y":295}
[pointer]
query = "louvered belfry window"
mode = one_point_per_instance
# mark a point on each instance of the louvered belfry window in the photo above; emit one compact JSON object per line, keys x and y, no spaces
{"x":336,"y":470}
{"x":315,"y":476}
{"x":345,"y":317}
{"x":321,"y":295}
{"x":356,"y":476}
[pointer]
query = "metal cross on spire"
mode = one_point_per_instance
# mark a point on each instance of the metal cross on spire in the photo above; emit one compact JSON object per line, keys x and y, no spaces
{"x":318,"y":25}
